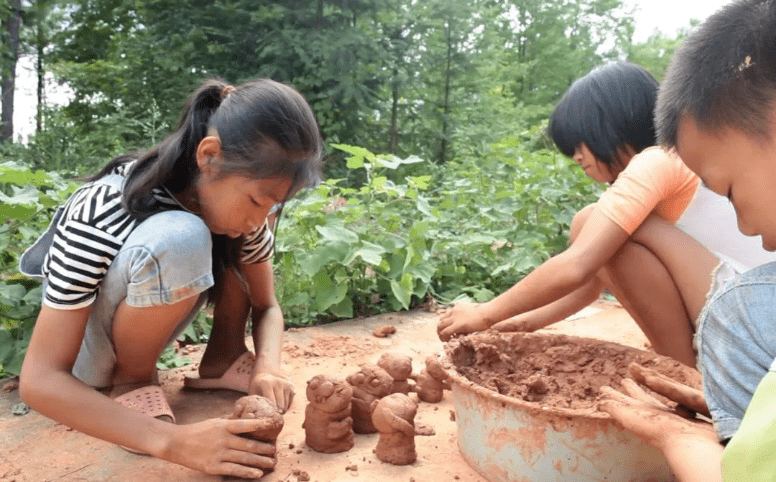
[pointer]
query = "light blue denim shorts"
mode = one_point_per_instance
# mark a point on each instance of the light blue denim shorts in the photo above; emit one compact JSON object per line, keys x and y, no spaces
{"x":166,"y":258}
{"x":736,"y":343}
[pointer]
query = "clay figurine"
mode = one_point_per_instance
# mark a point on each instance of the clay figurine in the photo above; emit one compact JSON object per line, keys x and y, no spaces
{"x":431,"y":382}
{"x":328,"y":426}
{"x":370,"y":383}
{"x":255,"y":406}
{"x":394,"y":417}
{"x":399,"y":367}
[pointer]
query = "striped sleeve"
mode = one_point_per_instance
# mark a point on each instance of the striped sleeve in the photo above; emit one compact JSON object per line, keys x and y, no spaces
{"x":87,"y":238}
{"x":258,"y":246}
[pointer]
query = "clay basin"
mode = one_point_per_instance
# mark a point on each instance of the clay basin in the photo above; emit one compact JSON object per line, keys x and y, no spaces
{"x":525,"y":406}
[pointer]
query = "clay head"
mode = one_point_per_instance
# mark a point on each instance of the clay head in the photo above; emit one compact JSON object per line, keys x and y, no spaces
{"x":372,"y":379}
{"x":398,"y":366}
{"x":395,"y":413}
{"x":435,"y":369}
{"x":328,"y":393}
{"x":254,"y":406}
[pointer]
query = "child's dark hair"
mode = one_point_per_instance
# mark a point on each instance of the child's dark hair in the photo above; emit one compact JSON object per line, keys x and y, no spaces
{"x":245,"y":118}
{"x":608,"y":109}
{"x":723,"y":75}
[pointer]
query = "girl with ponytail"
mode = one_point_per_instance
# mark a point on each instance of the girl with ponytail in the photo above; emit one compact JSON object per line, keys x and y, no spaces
{"x":138,"y":251}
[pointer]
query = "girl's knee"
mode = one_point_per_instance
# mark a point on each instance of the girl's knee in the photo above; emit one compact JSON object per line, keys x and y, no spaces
{"x":579,"y":220}
{"x":168,"y":258}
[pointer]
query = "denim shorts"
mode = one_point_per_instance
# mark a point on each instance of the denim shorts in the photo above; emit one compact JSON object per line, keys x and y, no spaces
{"x":166,"y":258}
{"x":736,"y":344}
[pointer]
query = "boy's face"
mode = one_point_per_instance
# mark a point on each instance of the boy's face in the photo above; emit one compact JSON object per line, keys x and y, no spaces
{"x":738,"y":166}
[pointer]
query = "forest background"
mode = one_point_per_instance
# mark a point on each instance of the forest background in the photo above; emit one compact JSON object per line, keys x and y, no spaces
{"x":440,"y":181}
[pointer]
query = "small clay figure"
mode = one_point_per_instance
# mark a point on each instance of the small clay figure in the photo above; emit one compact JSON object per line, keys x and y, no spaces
{"x":431,"y":382}
{"x":399,"y":367}
{"x":435,"y":369}
{"x":370,"y":383}
{"x":394,"y":417}
{"x":254,"y":406}
{"x":328,"y":426}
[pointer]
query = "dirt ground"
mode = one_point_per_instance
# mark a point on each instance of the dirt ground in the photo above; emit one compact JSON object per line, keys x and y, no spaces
{"x":33,"y":448}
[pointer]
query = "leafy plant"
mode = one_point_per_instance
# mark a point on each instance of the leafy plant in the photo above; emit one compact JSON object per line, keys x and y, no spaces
{"x":27,"y":199}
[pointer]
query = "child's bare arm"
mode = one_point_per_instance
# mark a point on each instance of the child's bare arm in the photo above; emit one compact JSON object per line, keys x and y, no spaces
{"x":554,"y":312}
{"x":268,"y":326}
{"x":598,"y":241}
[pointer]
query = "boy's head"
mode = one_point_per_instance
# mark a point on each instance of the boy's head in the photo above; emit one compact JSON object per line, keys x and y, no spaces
{"x":717,"y":107}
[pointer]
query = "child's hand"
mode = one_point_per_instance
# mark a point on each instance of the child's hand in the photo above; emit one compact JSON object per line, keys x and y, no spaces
{"x":460,"y":319}
{"x":654,"y":422}
{"x":215,"y":447}
{"x":276,"y":388}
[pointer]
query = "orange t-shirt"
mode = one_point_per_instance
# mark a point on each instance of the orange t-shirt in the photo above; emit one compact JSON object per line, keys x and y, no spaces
{"x":654,"y":181}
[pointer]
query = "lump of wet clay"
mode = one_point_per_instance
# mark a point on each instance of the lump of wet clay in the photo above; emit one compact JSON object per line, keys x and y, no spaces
{"x":384,"y":330}
{"x":394,"y":417}
{"x":399,"y":367}
{"x":328,"y":425}
{"x":369,"y":384}
{"x":431,"y":382}
{"x":255,"y":406}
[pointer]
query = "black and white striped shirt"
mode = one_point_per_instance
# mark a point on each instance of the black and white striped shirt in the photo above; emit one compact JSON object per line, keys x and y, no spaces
{"x":89,"y":233}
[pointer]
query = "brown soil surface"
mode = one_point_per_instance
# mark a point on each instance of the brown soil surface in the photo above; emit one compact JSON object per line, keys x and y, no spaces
{"x":34,"y":448}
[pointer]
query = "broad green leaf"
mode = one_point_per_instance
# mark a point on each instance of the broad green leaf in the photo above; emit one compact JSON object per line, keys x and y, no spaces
{"x":337,"y":233}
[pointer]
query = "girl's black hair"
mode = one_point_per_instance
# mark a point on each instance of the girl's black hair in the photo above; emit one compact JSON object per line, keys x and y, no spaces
{"x":245,"y":118}
{"x":608,"y":109}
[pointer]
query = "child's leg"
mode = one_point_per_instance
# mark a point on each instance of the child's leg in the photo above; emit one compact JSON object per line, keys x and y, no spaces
{"x":661,"y":277}
{"x":736,"y":344}
{"x":149,"y":294}
{"x":227,"y":337}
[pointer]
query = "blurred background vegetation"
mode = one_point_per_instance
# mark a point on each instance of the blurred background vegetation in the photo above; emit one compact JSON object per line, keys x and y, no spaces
{"x":440,"y":179}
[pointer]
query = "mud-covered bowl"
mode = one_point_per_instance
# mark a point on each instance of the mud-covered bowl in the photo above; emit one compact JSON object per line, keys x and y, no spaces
{"x":526,"y":409}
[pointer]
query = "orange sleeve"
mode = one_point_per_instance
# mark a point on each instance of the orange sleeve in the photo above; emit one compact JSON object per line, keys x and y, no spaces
{"x":654,"y":181}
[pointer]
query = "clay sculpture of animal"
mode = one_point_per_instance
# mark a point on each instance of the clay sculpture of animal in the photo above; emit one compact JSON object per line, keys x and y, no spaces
{"x":328,"y":425}
{"x":431,"y":382}
{"x":370,"y":383}
{"x":394,"y":417}
{"x":399,"y":367}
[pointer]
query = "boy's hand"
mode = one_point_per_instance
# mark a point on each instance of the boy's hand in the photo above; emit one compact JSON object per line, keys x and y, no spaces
{"x":460,"y":319}
{"x":276,"y":388}
{"x":215,"y":447}
{"x":650,"y":419}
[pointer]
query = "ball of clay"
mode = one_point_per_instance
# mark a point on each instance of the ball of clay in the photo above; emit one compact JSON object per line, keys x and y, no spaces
{"x":399,"y":367}
{"x":328,"y":423}
{"x":255,"y":406}
{"x":394,"y":418}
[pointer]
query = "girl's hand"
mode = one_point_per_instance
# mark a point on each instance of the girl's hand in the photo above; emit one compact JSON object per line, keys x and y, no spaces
{"x":460,"y":319}
{"x":276,"y":388}
{"x":215,"y":447}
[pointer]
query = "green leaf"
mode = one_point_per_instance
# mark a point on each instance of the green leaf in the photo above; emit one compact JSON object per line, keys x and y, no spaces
{"x":371,"y":253}
{"x":402,"y":290}
{"x":343,"y":309}
{"x":337,"y":233}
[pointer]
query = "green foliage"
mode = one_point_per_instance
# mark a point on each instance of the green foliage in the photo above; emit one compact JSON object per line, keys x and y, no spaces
{"x":472,"y":227}
{"x":27,"y":200}
{"x":345,"y":251}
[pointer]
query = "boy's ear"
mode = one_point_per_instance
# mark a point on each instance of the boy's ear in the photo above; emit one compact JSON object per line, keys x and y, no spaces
{"x":208,"y":150}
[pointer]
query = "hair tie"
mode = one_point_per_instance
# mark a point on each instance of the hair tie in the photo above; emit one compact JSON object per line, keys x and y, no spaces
{"x":226,"y":91}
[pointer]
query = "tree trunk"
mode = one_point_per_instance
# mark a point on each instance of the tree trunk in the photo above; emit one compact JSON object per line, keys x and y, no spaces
{"x":9,"y":71}
{"x":446,"y":99}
